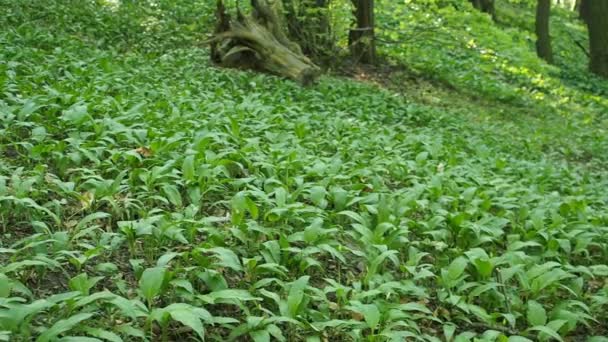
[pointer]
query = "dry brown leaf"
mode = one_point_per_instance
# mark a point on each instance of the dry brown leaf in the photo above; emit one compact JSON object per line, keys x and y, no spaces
{"x":144,"y":151}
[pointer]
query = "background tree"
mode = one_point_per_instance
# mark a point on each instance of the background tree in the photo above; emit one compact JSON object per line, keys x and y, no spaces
{"x":543,"y":39}
{"x":309,"y":25}
{"x":486,"y":6}
{"x":361,"y":39}
{"x":595,"y":14}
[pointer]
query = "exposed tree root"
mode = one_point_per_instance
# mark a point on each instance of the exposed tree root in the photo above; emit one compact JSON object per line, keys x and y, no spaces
{"x":258,"y":41}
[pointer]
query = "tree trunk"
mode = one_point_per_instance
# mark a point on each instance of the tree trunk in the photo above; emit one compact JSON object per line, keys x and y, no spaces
{"x":362,"y":39}
{"x":543,"y":39}
{"x":259,"y":41}
{"x":581,"y":9}
{"x":309,"y":25}
{"x":595,"y":14}
{"x":486,"y":6}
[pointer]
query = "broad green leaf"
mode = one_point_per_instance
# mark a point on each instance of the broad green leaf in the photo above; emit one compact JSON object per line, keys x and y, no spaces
{"x":260,"y":336}
{"x":95,"y":297}
{"x":317,"y":195}
{"x":151,"y":282}
{"x":76,"y":114}
{"x":227,"y":258}
{"x":166,"y":258}
{"x":548,"y":331}
{"x":448,"y":331}
{"x":229,"y":294}
{"x":173,"y":194}
{"x":90,"y":218}
{"x":457,"y":267}
{"x":188,"y":168}
{"x":296,"y":295}
{"x":371,"y":314}
{"x":519,"y":339}
{"x":484,"y":267}
{"x":189,"y":318}
{"x":536,"y":314}
{"x":5,"y":286}
{"x":129,"y":330}
{"x":597,"y":339}
{"x":129,"y":308}
{"x":62,"y":326}
{"x":103,"y":334}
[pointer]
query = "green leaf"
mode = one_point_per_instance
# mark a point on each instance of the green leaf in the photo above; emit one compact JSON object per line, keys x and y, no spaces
{"x":448,"y":331}
{"x":548,"y":331}
{"x":296,"y":295}
{"x":239,"y":206}
{"x":422,"y":157}
{"x":90,"y":218}
{"x":129,"y":308}
{"x":227,"y":258}
{"x":76,"y":114}
{"x":187,"y":316}
{"x":229,"y":294}
{"x":276,"y":332}
{"x":104,"y":334}
{"x":252,"y":208}
{"x":371,"y":314}
{"x":166,"y":258}
{"x":39,"y":133}
{"x":151,"y":282}
{"x":317,"y":196}
{"x":484,"y":267}
{"x":536,"y":314}
{"x":129,"y":330}
{"x":5,"y":286}
{"x":597,"y":339}
{"x":172,"y":194}
{"x":280,"y":195}
{"x":457,"y":267}
{"x":63,"y":326}
{"x":82,"y":283}
{"x":95,"y":297}
{"x":260,"y":336}
{"x":79,"y":339}
{"x":188,"y":169}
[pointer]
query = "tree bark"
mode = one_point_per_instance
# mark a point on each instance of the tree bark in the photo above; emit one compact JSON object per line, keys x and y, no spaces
{"x":543,"y":39}
{"x":361,"y":39}
{"x":595,"y":14}
{"x":259,"y":42}
{"x":309,"y":25}
{"x":486,"y":6}
{"x":581,"y":9}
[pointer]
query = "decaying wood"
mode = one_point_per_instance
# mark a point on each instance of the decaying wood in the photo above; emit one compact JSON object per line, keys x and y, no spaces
{"x":258,"y":41}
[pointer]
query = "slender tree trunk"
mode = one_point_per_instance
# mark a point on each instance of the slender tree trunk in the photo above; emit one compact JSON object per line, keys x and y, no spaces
{"x":595,"y":14}
{"x":309,"y":25}
{"x":486,"y":6}
{"x":576,"y":6}
{"x":362,"y":39}
{"x":543,"y":39}
{"x":581,"y":8}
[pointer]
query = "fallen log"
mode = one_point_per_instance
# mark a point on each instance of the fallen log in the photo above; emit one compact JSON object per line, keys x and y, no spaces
{"x":258,"y":41}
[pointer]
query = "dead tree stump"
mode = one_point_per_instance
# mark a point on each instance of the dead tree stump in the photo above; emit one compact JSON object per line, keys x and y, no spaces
{"x":258,"y":41}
